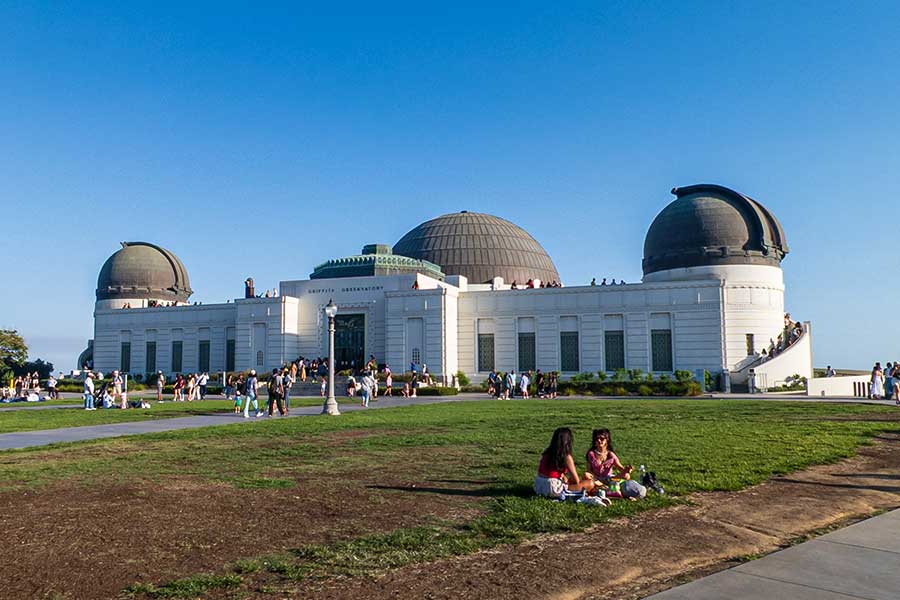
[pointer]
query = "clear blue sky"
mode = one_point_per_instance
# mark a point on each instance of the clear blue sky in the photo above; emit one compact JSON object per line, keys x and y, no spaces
{"x":261,"y":139}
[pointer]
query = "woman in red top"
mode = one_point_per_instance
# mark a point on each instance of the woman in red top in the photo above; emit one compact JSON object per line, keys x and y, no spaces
{"x":557,"y":468}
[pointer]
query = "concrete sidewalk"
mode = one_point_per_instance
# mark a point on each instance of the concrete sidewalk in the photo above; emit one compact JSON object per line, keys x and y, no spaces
{"x":29,"y":439}
{"x":860,"y":561}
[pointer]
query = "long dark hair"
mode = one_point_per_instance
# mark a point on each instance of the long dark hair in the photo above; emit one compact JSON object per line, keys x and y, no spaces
{"x":596,"y":436}
{"x":560,"y":447}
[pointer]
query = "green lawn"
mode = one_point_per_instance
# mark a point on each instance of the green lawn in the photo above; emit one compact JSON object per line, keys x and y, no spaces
{"x":693,"y":445}
{"x":33,"y":420}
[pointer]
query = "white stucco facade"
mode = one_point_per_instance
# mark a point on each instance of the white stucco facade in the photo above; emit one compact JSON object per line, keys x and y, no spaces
{"x":705,"y":316}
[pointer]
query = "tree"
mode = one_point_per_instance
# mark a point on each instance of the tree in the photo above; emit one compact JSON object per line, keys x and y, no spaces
{"x":13,"y":351}
{"x":43,"y":368}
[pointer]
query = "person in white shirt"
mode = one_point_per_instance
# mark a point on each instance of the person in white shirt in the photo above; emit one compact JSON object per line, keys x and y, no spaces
{"x":368,"y":383}
{"x":117,"y":389}
{"x":524,"y":383}
{"x":89,"y":392}
{"x":201,"y":383}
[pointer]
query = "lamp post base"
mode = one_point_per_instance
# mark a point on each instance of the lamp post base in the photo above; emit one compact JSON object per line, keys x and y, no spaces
{"x":330,"y":407}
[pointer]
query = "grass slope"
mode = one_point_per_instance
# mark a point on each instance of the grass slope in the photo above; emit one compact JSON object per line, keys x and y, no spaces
{"x":694,"y":445}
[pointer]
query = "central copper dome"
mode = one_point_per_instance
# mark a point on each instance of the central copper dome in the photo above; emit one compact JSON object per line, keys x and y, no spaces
{"x":479,"y":247}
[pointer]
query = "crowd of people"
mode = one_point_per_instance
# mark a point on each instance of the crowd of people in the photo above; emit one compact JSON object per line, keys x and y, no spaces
{"x":790,"y":334}
{"x":28,"y":387}
{"x":604,"y":478}
{"x":885,"y":382}
{"x":605,"y":283}
{"x":509,"y":385}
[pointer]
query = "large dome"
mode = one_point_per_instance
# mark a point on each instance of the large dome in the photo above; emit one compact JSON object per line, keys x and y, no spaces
{"x":479,"y":247}
{"x":143,"y":271}
{"x":713,"y":225}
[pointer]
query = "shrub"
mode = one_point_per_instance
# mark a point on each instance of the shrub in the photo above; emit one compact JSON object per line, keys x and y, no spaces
{"x":708,"y":384}
{"x":582,"y":378}
{"x":437,"y":391}
{"x":602,"y":376}
{"x":463,"y":379}
{"x":645,"y":390}
{"x":473,"y":389}
{"x":619,"y":391}
{"x":683,"y":376}
{"x":635,"y":375}
{"x":620,"y":375}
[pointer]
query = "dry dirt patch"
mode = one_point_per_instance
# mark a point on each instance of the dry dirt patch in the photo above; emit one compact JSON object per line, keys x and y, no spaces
{"x":73,"y":540}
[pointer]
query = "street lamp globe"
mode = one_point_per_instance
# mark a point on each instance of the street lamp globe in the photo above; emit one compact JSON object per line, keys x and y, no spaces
{"x":331,"y":309}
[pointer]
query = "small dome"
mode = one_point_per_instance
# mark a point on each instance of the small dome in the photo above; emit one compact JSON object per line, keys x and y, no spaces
{"x":713,"y":225}
{"x":478,"y":247}
{"x":143,"y":271}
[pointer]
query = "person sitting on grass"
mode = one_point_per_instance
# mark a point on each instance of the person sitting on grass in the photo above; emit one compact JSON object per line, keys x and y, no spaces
{"x":557,"y":468}
{"x":105,"y":397}
{"x":603,"y":462}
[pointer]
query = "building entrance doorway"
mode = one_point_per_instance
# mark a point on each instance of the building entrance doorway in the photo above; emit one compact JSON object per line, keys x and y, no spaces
{"x":349,"y":341}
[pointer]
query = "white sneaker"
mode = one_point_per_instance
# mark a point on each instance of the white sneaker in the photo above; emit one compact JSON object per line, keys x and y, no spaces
{"x":246,"y":416}
{"x":259,"y":414}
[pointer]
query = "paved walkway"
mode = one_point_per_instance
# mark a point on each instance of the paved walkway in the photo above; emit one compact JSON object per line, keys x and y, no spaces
{"x":29,"y":439}
{"x":858,"y":562}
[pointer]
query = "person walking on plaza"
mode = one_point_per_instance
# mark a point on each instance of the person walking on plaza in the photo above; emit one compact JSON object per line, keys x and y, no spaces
{"x":250,"y":393}
{"x":160,"y":384}
{"x":117,"y":389}
{"x":177,"y":388}
{"x":89,"y":392}
{"x":229,"y":386}
{"x":275,"y":391}
{"x":388,"y":383}
{"x":51,"y":387}
{"x":201,"y":384}
{"x":289,"y":379}
{"x":524,"y":382}
{"x":372,"y":367}
{"x":192,"y":387}
{"x":238,"y":393}
{"x":368,"y":382}
{"x":877,"y":392}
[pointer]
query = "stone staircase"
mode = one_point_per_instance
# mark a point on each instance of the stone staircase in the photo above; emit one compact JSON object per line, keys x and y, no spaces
{"x":312,"y":387}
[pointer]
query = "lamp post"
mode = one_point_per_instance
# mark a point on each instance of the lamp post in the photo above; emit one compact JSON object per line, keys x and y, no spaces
{"x":330,"y":407}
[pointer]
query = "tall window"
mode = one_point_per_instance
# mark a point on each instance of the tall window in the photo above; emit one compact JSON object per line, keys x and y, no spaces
{"x":661,"y":349}
{"x":125,"y":365}
{"x":614,"y":346}
{"x":568,"y":344}
{"x":751,"y":347}
{"x":568,"y":351}
{"x":527,"y":346}
{"x":203,"y":353}
{"x":485,"y":352}
{"x":229,"y":355}
{"x":661,"y":342}
{"x":526,"y":352}
{"x":176,"y":356}
{"x":260,"y":358}
{"x":151,"y":358}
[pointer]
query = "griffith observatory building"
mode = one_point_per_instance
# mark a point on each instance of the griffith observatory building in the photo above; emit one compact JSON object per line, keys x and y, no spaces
{"x":711,"y":297}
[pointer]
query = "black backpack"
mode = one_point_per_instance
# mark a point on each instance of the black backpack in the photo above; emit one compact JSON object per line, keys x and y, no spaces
{"x":648,"y":480}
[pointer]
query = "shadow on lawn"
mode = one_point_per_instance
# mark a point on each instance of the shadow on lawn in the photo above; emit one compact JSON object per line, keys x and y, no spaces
{"x":481,"y":492}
